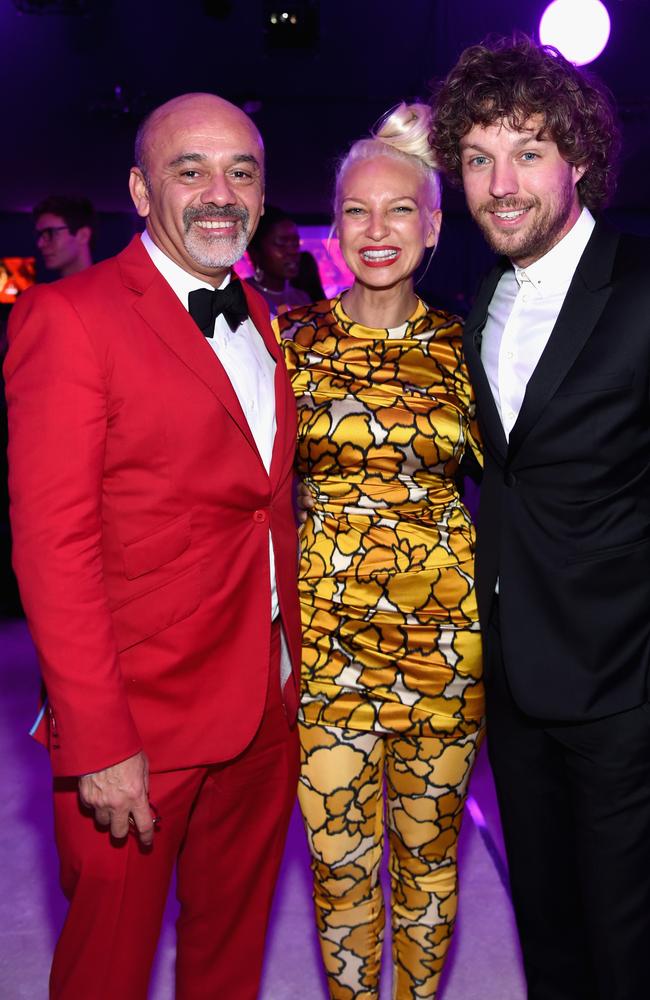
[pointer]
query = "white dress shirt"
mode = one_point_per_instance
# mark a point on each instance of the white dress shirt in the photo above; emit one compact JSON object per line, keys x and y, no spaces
{"x":521,"y":316}
{"x":247,"y":363}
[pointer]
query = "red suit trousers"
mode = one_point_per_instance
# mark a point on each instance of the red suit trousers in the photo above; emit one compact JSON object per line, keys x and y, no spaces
{"x":224,"y":827}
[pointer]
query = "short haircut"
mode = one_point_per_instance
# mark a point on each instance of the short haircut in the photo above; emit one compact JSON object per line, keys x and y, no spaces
{"x":140,"y":143}
{"x":513,"y":79}
{"x":402,"y":135}
{"x":75,"y":212}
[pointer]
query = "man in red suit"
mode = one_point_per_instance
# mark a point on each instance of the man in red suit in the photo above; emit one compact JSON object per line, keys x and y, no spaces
{"x":154,"y":541}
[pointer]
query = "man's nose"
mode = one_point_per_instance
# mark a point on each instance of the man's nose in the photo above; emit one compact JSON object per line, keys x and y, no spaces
{"x":218,"y":191}
{"x":503,"y":179}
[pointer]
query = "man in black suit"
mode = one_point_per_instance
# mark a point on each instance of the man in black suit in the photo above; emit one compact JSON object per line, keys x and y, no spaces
{"x":558,"y":347}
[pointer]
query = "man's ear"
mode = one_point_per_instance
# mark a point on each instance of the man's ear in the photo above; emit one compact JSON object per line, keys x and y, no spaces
{"x":579,"y":170}
{"x":139,"y":192}
{"x":84,"y":234}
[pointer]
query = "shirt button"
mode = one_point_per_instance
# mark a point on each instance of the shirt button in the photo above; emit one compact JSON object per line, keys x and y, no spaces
{"x":509,"y":355}
{"x":259,"y":516}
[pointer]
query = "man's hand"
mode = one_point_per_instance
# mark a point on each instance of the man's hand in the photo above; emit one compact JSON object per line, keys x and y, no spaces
{"x":304,"y":501}
{"x":118,"y":792}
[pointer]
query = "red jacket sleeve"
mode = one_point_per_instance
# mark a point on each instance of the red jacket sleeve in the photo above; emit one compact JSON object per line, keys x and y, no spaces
{"x":58,"y":410}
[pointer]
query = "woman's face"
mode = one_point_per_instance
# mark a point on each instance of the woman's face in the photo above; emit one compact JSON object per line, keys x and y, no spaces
{"x":279,"y":254}
{"x":385,"y":222}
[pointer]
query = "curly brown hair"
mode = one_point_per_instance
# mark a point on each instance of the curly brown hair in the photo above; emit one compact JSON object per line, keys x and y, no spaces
{"x":512,"y":79}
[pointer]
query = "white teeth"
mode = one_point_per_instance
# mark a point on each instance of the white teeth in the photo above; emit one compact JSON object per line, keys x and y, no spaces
{"x":214,"y":224}
{"x":378,"y":254}
{"x":510,"y":215}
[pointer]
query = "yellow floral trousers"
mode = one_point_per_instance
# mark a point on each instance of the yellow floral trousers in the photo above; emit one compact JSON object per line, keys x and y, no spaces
{"x":341,"y":794}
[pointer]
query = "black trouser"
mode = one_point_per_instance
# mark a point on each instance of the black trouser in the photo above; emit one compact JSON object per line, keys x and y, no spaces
{"x":575,"y":807}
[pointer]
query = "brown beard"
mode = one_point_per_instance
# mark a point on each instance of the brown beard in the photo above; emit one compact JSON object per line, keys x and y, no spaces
{"x":535,"y":241}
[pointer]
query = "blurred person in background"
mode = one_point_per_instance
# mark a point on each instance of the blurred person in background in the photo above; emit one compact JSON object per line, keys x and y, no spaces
{"x":275,"y":254}
{"x":63,"y":231}
{"x":308,"y":277}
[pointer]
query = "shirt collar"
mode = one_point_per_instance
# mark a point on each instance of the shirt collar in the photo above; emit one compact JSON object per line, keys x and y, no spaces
{"x":552,"y":273}
{"x":181,"y":281}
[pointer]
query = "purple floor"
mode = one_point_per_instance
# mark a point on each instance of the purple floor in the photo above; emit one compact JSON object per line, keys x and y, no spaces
{"x":484,"y":964}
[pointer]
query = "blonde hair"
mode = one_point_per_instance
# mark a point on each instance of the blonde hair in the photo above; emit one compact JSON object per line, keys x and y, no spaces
{"x":402,"y":134}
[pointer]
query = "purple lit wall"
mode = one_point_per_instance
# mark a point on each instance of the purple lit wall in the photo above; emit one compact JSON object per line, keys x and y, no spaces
{"x":334,"y":274}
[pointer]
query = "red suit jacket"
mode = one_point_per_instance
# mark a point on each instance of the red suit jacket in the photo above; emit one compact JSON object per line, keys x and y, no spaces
{"x":141,"y":512}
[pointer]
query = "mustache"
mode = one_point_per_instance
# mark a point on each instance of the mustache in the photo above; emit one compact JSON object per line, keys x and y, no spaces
{"x":506,"y":205}
{"x":212,"y":211}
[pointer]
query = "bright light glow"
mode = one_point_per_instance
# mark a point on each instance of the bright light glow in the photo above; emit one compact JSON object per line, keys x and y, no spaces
{"x":578,"y":28}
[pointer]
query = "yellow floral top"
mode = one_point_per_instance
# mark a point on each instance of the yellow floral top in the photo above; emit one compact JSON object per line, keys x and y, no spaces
{"x":390,"y":626}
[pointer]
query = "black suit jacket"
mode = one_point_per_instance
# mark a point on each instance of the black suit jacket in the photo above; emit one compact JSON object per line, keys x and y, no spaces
{"x":564,"y":519}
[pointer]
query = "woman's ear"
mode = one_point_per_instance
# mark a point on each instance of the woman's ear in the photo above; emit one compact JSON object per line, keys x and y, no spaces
{"x":435,"y":221}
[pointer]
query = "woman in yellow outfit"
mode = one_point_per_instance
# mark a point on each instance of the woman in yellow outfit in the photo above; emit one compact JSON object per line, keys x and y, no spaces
{"x":392,"y":691}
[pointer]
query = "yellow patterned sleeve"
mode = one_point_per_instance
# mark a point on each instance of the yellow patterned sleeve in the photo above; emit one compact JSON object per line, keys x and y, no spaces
{"x":474,"y":435}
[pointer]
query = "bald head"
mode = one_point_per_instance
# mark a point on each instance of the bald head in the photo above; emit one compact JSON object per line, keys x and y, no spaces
{"x":198,"y":182}
{"x":183,"y":106}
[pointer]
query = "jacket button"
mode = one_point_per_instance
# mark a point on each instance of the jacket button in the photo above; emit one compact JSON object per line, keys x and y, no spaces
{"x":259,"y":516}
{"x":510,"y":479}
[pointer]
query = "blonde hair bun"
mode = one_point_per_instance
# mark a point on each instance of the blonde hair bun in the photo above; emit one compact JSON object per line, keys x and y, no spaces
{"x":406,"y":128}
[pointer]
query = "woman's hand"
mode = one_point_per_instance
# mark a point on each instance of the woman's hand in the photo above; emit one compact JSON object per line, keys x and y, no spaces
{"x":304,"y":501}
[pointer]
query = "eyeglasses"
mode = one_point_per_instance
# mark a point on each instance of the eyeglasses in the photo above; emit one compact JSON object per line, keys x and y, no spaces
{"x":47,"y":232}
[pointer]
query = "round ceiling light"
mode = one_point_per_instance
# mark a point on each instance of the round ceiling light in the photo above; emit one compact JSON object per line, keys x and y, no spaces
{"x":579,"y":29}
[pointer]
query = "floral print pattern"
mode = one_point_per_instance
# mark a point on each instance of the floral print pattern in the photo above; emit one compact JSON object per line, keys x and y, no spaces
{"x":391,"y":676}
{"x":390,"y":625}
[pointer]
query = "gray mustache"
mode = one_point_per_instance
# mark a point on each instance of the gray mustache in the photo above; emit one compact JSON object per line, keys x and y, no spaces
{"x":210,"y":211}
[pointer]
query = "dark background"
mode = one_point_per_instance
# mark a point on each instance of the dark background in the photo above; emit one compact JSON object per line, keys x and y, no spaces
{"x":76,"y":77}
{"x":76,"y":84}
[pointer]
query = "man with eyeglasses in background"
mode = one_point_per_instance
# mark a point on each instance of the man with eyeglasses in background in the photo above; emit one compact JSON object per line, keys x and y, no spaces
{"x":63,"y":227}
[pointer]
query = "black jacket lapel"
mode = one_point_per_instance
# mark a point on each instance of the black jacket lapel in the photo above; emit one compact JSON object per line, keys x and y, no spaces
{"x":584,"y":303}
{"x":489,"y":418}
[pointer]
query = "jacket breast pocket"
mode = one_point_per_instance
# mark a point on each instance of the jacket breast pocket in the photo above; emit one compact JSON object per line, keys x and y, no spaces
{"x":604,"y":382}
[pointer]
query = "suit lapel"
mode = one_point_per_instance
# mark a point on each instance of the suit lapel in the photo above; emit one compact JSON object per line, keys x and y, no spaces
{"x":584,"y":303}
{"x":489,"y":417}
{"x":160,"y":308}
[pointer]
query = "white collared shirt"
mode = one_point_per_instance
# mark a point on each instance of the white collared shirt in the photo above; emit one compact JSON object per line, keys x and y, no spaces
{"x":521,"y":316}
{"x":246,"y":361}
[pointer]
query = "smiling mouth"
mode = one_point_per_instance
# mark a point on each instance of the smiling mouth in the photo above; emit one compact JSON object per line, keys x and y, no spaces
{"x":508,"y":216}
{"x":379,"y":256}
{"x":511,"y":215}
{"x":215,"y":223}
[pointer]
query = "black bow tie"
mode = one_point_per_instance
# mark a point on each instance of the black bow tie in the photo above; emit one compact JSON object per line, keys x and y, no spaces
{"x":205,"y":306}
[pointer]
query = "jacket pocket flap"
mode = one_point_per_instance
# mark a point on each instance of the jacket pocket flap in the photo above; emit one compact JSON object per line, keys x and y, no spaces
{"x":158,"y":548}
{"x":147,"y":614}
